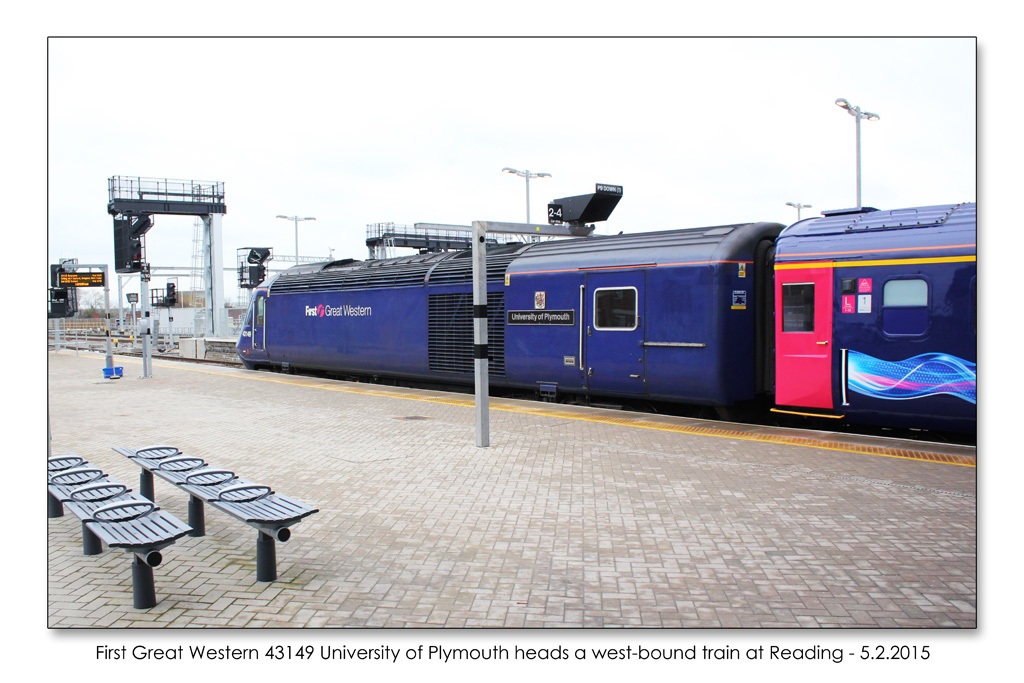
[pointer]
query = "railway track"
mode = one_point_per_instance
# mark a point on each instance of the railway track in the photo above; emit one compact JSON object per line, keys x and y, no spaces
{"x":98,"y":343}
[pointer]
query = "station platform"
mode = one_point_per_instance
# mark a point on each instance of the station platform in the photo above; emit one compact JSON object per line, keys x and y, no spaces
{"x":573,"y":517}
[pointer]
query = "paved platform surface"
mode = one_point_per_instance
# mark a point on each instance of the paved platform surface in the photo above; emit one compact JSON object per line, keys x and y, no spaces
{"x":572,"y":518}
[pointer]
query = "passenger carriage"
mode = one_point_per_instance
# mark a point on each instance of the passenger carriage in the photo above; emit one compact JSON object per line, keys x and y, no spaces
{"x":877,"y":316}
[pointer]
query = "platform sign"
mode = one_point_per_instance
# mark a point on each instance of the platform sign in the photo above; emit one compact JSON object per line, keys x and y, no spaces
{"x":81,"y":279}
{"x":541,"y":317}
{"x":554,"y":213}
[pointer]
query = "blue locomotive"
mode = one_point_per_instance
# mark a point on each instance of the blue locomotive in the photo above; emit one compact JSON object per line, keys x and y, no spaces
{"x":864,"y":316}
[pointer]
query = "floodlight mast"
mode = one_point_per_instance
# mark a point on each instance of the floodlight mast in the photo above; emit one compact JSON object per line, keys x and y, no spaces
{"x":798,"y":206}
{"x":526,"y":174}
{"x":296,"y":219}
{"x":857,"y":114}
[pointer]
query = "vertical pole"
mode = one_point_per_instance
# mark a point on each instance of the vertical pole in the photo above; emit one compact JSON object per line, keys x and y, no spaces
{"x":207,"y":276}
{"x":196,"y":517}
{"x":170,"y":327}
{"x":54,"y":508}
{"x":107,"y":317}
{"x":266,"y":557}
{"x":856,"y":116}
{"x":91,"y":544}
{"x":146,"y":484}
{"x":147,"y":360}
{"x":143,"y":586}
{"x":120,"y":304}
{"x":480,"y":369}
{"x":527,"y":196}
{"x":296,"y":240}
{"x":213,"y":276}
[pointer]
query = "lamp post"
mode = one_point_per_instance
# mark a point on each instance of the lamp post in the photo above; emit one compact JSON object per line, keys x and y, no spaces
{"x":798,"y":206}
{"x":297,"y":219}
{"x":857,"y":114}
{"x":527,"y":175}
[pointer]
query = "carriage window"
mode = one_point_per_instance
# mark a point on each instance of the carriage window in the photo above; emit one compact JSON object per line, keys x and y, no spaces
{"x":905,"y":307}
{"x":905,"y":293}
{"x":615,"y":309}
{"x":260,"y":310}
{"x":798,"y":307}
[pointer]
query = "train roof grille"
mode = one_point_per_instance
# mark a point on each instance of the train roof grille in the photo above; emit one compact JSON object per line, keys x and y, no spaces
{"x":646,"y":240}
{"x":836,"y":222}
{"x":460,"y":270}
{"x":406,"y":271}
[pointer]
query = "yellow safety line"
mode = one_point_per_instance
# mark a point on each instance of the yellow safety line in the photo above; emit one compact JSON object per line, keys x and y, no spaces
{"x":806,"y":442}
{"x":795,"y":412}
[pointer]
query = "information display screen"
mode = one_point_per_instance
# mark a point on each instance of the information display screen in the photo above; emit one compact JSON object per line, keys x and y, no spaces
{"x":76,"y":279}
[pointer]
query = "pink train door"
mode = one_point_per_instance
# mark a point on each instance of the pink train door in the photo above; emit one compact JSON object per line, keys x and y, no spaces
{"x":803,"y":335}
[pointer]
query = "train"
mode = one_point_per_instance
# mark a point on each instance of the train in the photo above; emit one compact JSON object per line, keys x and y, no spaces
{"x":856,"y":316}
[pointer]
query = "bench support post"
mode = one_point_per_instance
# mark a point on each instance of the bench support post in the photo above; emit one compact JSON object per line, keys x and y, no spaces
{"x":266,"y":557}
{"x":54,"y":508}
{"x":143,"y":586}
{"x":196,"y":517}
{"x":146,"y":484}
{"x":91,"y":544}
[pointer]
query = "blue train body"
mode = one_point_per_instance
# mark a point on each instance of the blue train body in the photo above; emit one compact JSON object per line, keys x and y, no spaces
{"x":688,"y":316}
{"x":892,"y":338}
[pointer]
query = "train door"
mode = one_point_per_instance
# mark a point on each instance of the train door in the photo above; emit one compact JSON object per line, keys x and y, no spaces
{"x":614,"y":324}
{"x":259,"y":321}
{"x":803,"y":335}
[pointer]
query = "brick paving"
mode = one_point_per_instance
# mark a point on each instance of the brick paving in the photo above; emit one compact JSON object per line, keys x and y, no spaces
{"x":568,"y":519}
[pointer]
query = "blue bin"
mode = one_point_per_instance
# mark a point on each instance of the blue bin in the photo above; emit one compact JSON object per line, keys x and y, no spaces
{"x":113,"y":373}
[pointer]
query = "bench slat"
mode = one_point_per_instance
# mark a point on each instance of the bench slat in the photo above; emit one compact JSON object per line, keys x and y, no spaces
{"x":273,"y":508}
{"x":156,"y":529}
{"x":64,"y":462}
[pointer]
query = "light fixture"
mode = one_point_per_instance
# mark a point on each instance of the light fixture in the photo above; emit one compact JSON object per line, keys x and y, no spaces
{"x":296,"y":219}
{"x":857,"y":114}
{"x":527,"y":175}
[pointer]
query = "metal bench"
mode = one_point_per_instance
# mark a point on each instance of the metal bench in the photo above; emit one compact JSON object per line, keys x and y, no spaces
{"x":111,"y":513}
{"x":57,"y":492}
{"x":270,"y":513}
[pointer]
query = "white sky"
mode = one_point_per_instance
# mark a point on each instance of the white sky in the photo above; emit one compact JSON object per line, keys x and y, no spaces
{"x":358,"y":131}
{"x":698,"y":131}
